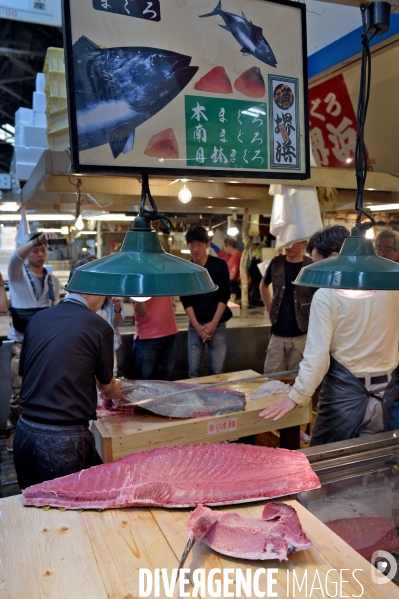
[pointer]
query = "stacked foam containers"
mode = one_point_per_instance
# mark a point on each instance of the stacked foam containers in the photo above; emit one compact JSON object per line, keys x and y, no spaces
{"x":30,"y":132}
{"x":56,"y":100}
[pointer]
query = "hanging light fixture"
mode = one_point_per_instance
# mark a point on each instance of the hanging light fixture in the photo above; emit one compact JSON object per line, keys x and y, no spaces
{"x":185,"y":194}
{"x":231,"y":226}
{"x":357,"y":268}
{"x":142,"y":268}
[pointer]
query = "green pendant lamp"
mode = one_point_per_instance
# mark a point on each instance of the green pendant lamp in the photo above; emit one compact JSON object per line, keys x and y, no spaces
{"x":142,"y":268}
{"x":357,"y":267}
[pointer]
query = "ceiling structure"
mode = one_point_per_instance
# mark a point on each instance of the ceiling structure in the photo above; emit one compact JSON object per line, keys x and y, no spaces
{"x":22,"y":51}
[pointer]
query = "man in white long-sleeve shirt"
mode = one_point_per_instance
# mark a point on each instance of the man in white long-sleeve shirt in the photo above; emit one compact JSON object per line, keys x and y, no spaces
{"x":31,"y":289}
{"x":352,"y":346}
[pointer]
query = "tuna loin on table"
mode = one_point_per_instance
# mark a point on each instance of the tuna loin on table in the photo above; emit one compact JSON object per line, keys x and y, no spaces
{"x":278,"y":533}
{"x":181,"y":476}
{"x":180,"y":400}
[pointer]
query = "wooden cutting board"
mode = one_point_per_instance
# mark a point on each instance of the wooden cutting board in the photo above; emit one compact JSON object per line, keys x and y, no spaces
{"x":50,"y":554}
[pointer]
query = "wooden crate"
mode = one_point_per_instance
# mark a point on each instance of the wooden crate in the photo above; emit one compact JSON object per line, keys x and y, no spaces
{"x":54,"y":61}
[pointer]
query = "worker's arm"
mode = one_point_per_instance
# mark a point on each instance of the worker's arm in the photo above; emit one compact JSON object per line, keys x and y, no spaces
{"x":3,"y":296}
{"x":140,"y":308}
{"x":118,"y":310}
{"x":111,"y":390}
{"x":265,"y":295}
{"x":315,"y":362}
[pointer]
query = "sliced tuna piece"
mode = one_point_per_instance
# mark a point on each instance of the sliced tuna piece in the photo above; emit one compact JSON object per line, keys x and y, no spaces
{"x":215,"y":81}
{"x":182,"y":400}
{"x":163,"y":145}
{"x":181,"y":476}
{"x":278,"y":533}
{"x":366,"y":534}
{"x":251,"y":83}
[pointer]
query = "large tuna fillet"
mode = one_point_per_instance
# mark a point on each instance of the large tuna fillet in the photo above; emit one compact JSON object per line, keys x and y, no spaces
{"x":278,"y":533}
{"x":181,"y":476}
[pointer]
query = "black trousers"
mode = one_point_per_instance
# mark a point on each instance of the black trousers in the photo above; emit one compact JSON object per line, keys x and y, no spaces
{"x":43,"y":452}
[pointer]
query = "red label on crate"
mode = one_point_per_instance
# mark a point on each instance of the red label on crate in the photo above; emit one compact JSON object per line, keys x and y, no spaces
{"x":332,"y":121}
{"x":222,"y":426}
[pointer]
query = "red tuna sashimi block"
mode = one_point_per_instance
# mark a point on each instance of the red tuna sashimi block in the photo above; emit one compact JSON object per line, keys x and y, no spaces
{"x":181,"y":476}
{"x":215,"y":81}
{"x":278,"y":533}
{"x":163,"y":145}
{"x":366,"y":534}
{"x":251,"y":83}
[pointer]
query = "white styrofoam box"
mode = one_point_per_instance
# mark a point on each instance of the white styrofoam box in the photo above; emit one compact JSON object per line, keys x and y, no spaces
{"x":23,"y":115}
{"x":28,"y":155}
{"x":39,"y":119}
{"x":5,"y":181}
{"x":40,"y":82}
{"x":23,"y":170}
{"x":35,"y":136}
{"x":39,"y":101}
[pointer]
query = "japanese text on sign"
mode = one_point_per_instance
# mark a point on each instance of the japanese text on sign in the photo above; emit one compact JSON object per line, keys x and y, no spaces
{"x":141,"y":9}
{"x":332,"y":120}
{"x":284,"y":123}
{"x":222,"y":426}
{"x":226,"y":133}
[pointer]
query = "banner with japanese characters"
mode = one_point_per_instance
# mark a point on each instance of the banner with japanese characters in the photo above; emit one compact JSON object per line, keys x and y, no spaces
{"x":188,"y":88}
{"x":333,"y":127}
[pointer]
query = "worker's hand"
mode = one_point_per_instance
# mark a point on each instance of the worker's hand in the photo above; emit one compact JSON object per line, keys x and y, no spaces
{"x":118,"y":303}
{"x":115,"y":392}
{"x":202,"y":333}
{"x":279,"y":409}
{"x":44,"y":237}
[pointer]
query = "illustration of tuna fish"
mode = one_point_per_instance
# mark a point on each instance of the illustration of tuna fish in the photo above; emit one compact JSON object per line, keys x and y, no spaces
{"x":249,"y":36}
{"x":118,"y":89}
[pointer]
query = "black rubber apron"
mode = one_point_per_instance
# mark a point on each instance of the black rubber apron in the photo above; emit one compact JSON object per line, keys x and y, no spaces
{"x":343,"y":400}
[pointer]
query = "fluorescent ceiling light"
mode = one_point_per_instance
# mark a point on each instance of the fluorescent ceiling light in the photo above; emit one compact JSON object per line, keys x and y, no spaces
{"x":35,"y":217}
{"x":114,"y":216}
{"x":9,"y":207}
{"x":379,"y":207}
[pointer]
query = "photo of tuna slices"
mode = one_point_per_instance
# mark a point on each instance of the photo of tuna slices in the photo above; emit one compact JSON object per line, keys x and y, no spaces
{"x":181,"y":476}
{"x":251,"y":83}
{"x":163,"y":145}
{"x":274,"y":536}
{"x":215,"y":81}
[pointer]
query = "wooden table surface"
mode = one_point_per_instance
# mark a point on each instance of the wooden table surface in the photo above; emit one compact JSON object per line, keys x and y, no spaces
{"x":120,"y":435}
{"x":53,"y":554}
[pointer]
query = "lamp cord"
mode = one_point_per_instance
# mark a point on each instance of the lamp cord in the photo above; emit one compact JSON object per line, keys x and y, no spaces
{"x":361,"y":157}
{"x":151,"y":214}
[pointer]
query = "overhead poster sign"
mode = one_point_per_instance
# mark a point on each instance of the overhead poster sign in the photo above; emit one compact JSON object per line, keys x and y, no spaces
{"x":193,"y":88}
{"x":45,"y":12}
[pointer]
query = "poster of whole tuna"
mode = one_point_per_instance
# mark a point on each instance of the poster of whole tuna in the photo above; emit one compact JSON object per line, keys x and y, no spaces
{"x":197,"y":87}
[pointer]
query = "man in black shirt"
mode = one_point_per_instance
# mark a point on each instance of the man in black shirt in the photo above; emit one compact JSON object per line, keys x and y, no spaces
{"x":208,"y":313}
{"x":288,"y":310}
{"x":66,"y":352}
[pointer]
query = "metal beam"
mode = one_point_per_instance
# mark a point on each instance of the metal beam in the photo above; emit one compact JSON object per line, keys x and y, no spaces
{"x":4,"y":51}
{"x":24,"y":66}
{"x":9,"y":80}
{"x":8,"y":115}
{"x":14,"y":94}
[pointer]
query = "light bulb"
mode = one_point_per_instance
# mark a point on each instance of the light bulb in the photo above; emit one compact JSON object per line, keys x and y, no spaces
{"x":210,"y":233}
{"x":79,"y":224}
{"x":370,"y":234}
{"x":231,"y":227}
{"x":140,"y":299}
{"x":185,"y":194}
{"x":356,"y":293}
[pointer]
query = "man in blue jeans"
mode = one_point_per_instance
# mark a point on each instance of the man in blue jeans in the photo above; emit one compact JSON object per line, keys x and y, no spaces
{"x":208,"y":313}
